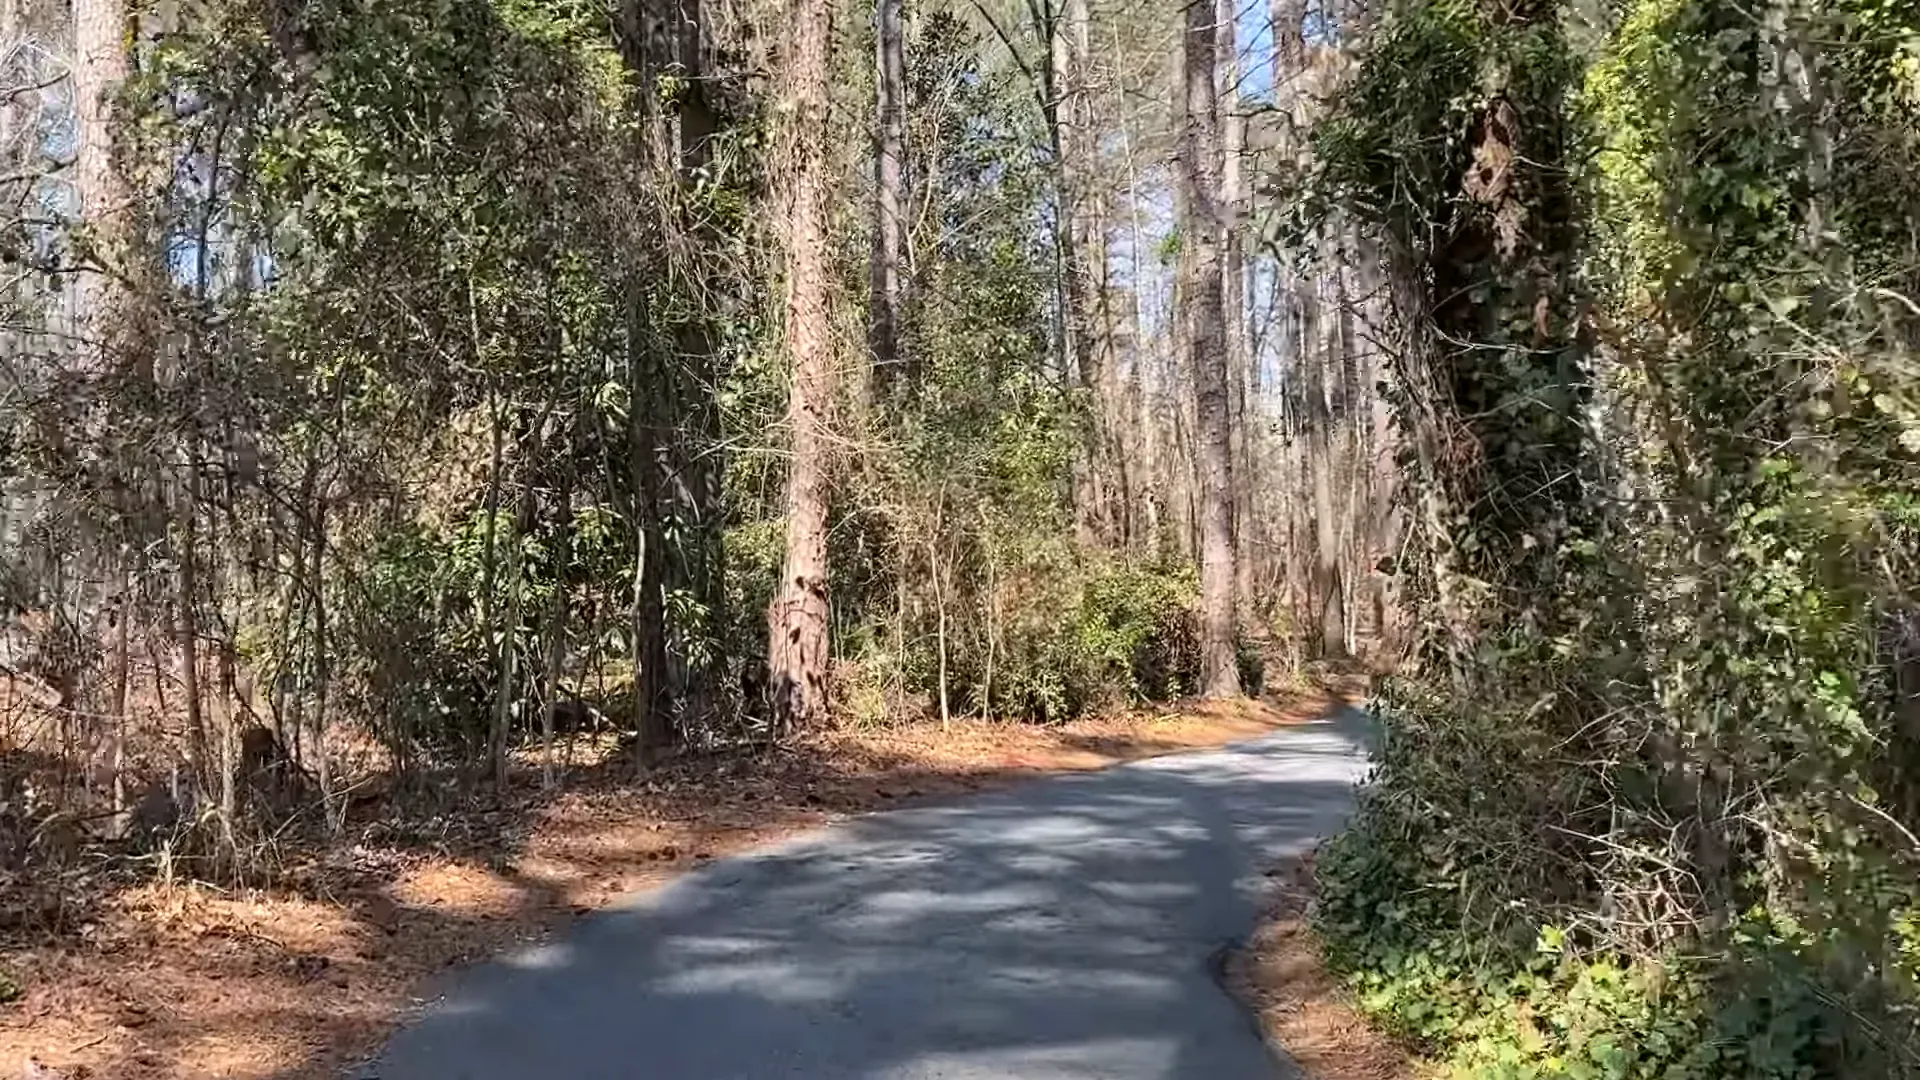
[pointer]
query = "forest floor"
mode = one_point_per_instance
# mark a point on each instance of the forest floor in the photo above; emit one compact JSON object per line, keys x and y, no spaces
{"x":150,"y":981}
{"x":1298,"y":1003}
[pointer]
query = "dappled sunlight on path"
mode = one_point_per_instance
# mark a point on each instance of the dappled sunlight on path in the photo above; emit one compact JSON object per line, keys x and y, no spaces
{"x":1062,"y":928}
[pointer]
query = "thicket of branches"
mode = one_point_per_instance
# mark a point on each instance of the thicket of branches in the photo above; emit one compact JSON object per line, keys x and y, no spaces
{"x":406,"y":388}
{"x":339,"y":406}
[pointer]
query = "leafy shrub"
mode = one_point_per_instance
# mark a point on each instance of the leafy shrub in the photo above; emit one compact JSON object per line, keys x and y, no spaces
{"x":1252,"y":666}
{"x":1438,"y":907}
{"x":1113,"y":636}
{"x":1138,"y":630}
{"x":428,"y":679}
{"x":868,"y":681}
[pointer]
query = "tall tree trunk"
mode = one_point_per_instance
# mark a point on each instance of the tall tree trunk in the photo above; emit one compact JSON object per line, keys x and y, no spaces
{"x":229,"y":755}
{"x":651,"y":696}
{"x":322,"y":670}
{"x":1240,"y":358}
{"x":187,"y":632}
{"x":100,"y":32}
{"x":557,"y":618}
{"x":1296,"y":310}
{"x":674,"y":441}
{"x":797,"y":644}
{"x":1202,"y":240}
{"x":648,"y":46}
{"x":122,"y":683}
{"x":1065,"y":105}
{"x":1140,"y":462}
{"x":703,"y":464}
{"x":497,"y":638}
{"x":889,"y":193}
{"x":1321,"y":335}
{"x":509,"y":670}
{"x":1329,"y":597}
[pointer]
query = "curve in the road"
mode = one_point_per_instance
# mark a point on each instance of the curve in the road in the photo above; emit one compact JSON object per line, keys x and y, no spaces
{"x":1059,"y":929}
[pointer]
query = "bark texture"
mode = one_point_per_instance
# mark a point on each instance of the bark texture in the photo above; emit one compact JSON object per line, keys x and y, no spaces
{"x":1329,"y":597}
{"x":1067,"y":103}
{"x":797,"y":650}
{"x":100,"y":48}
{"x":1239,"y":337}
{"x":1203,"y":239}
{"x":702,"y":465}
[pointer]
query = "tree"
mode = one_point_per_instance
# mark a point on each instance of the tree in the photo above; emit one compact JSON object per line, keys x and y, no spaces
{"x":1234,"y":276}
{"x":1068,"y":108}
{"x":703,"y":459}
{"x":797,"y":645}
{"x":106,"y":199}
{"x":1320,"y":386}
{"x":889,"y":193}
{"x":1661,"y":428}
{"x":1203,"y":235}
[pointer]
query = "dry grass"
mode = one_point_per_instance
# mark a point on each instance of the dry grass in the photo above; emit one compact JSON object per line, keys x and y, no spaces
{"x":1299,"y":1003}
{"x":153,"y":982}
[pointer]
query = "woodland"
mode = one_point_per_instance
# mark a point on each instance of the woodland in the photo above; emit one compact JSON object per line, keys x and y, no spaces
{"x":396,"y":392}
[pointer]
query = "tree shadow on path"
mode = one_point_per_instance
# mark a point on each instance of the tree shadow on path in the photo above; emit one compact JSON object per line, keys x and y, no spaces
{"x":1064,"y":928}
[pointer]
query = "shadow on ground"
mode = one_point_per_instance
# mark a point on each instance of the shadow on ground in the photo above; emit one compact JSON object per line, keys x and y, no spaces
{"x":1064,"y":928}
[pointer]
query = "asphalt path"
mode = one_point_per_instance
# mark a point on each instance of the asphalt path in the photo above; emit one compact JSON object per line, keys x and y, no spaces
{"x":1069,"y":927}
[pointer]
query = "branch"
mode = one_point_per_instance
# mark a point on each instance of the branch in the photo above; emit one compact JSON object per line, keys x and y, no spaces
{"x":1026,"y":69}
{"x":7,"y":95}
{"x":1888,"y":818}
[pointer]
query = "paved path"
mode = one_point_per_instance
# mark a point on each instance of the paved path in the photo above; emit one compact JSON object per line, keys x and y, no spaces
{"x":1058,"y":929}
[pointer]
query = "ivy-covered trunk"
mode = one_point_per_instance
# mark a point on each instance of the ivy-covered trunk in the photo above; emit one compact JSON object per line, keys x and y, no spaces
{"x":1656,"y":378}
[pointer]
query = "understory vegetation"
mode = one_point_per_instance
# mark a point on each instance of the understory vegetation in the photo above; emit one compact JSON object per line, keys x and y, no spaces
{"x":1644,"y":804}
{"x":392,"y":394}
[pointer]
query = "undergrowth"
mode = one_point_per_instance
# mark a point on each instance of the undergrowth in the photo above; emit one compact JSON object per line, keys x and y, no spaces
{"x":1445,"y":947}
{"x":1644,"y":807}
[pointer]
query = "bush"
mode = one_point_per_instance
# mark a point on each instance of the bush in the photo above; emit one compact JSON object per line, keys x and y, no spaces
{"x":1252,"y":666}
{"x":1116,"y":635}
{"x":1051,"y":641}
{"x":1461,"y":926}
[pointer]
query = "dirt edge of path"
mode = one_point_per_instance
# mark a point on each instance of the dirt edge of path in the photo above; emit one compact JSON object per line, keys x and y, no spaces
{"x":305,"y":979}
{"x":1301,"y":1008}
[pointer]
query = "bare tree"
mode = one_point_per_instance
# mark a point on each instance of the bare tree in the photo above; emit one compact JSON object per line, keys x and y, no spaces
{"x":797,"y":647}
{"x":1239,"y":346}
{"x":1067,"y":108}
{"x":1202,"y":243}
{"x":889,"y":195}
{"x":1328,"y":596}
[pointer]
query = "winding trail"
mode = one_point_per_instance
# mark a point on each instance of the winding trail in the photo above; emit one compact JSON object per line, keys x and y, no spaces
{"x":1064,"y":928}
